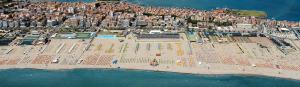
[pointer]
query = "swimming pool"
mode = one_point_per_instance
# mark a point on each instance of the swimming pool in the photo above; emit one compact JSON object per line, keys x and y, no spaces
{"x":107,"y":36}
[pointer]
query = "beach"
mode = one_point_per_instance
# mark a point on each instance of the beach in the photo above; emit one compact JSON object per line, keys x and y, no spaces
{"x":199,"y":59}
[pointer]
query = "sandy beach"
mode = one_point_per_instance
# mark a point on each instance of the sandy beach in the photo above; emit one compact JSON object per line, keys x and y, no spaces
{"x":179,"y":56}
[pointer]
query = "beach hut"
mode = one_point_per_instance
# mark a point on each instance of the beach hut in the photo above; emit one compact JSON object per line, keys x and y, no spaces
{"x":158,"y":54}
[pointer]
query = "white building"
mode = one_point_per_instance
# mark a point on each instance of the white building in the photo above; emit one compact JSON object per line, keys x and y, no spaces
{"x":155,"y":32}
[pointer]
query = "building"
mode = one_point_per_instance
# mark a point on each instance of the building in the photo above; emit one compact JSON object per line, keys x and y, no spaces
{"x":11,"y":24}
{"x":30,"y":39}
{"x":155,"y":32}
{"x":104,"y":23}
{"x":17,"y":23}
{"x":141,"y":23}
{"x":24,"y":24}
{"x":81,"y":24}
{"x":71,"y":10}
{"x":41,"y":23}
{"x":95,"y":23}
{"x":166,"y":37}
{"x":125,"y":23}
{"x":1,"y":23}
{"x":33,"y":24}
{"x":88,"y":23}
{"x":245,"y":28}
{"x":51,"y":23}
{"x":66,"y":36}
{"x":4,"y":24}
{"x":6,"y":39}
{"x":238,"y":30}
{"x":1,"y":10}
{"x":73,"y":21}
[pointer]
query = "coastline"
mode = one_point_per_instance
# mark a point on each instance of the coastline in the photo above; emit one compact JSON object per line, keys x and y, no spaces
{"x":285,"y":74}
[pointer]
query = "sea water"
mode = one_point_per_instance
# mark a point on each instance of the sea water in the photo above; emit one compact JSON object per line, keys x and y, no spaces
{"x":131,"y":78}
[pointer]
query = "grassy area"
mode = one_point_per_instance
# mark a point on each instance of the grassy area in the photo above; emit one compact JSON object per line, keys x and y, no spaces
{"x":248,"y":13}
{"x":81,"y":35}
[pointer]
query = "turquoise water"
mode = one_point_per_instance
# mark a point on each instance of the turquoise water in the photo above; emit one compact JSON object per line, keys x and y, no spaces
{"x":131,"y":78}
{"x":277,"y":9}
{"x":107,"y":36}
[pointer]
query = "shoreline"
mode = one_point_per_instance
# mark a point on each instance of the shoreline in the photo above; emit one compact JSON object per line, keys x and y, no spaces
{"x":285,"y":74}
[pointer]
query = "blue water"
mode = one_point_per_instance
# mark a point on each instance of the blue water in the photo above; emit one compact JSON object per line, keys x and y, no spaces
{"x":107,"y":36}
{"x":277,"y":9}
{"x":131,"y":78}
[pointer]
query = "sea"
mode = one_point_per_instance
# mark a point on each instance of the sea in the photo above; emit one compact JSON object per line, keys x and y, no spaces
{"x":131,"y":78}
{"x":276,"y":9}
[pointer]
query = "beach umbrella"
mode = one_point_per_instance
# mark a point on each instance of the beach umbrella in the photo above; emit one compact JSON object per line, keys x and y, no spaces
{"x":200,"y":63}
{"x":115,"y":61}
